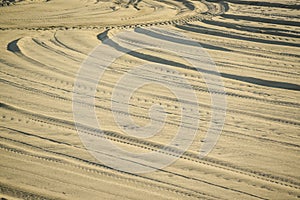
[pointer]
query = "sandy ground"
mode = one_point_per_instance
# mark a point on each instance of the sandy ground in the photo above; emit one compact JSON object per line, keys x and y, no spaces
{"x":255,"y":46}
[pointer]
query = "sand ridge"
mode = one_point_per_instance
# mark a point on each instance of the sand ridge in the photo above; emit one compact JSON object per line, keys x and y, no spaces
{"x":255,"y":46}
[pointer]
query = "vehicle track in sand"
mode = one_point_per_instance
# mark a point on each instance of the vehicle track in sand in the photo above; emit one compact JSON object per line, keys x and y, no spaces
{"x":255,"y":46}
{"x":154,"y":147}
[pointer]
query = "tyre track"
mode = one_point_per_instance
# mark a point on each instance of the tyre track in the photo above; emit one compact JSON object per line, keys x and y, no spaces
{"x":65,"y":164}
{"x":59,"y":52}
{"x":260,"y":19}
{"x":104,"y":170}
{"x":273,"y":72}
{"x":231,"y":35}
{"x":181,"y":20}
{"x":263,"y":3}
{"x":254,"y":29}
{"x":256,"y":81}
{"x":247,"y":114}
{"x":59,"y":85}
{"x":16,"y":47}
{"x":57,"y":42}
{"x":105,"y":92}
{"x":237,"y":134}
{"x":163,"y":170}
{"x":21,"y":193}
{"x":156,"y":147}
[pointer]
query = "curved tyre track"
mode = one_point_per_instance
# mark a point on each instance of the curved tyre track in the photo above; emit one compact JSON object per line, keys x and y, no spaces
{"x":262,"y":89}
{"x":120,"y":138}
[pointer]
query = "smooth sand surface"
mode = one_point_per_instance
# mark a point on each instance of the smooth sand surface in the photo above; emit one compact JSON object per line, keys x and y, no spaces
{"x":255,"y":46}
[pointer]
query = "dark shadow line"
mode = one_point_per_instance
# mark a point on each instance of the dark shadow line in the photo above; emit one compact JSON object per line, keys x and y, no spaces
{"x":155,"y":59}
{"x":201,"y":29}
{"x":179,"y":40}
{"x":260,"y":3}
{"x":262,"y":30}
{"x":13,"y":46}
{"x":260,"y":19}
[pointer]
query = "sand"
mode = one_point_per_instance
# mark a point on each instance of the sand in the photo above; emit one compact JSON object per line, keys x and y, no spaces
{"x":255,"y":46}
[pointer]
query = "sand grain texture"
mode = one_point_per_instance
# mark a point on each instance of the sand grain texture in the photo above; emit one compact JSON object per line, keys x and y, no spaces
{"x":255,"y":46}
